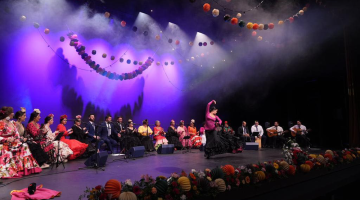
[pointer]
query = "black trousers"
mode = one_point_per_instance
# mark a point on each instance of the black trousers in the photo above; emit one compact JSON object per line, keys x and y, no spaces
{"x":303,"y":140}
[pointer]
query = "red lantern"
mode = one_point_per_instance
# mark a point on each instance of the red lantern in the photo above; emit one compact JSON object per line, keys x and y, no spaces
{"x":123,"y":23}
{"x":291,"y":19}
{"x":255,"y":26}
{"x":206,"y":7}
{"x":271,"y":25}
{"x":177,"y":42}
{"x":234,"y":21}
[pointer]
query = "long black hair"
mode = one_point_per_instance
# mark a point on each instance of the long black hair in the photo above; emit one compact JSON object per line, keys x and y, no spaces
{"x":5,"y":112}
{"x":19,"y":114}
{"x":46,"y":120}
{"x":33,"y":116}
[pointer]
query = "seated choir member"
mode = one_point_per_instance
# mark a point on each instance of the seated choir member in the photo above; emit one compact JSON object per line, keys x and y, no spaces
{"x":301,"y":138}
{"x":159,"y":134}
{"x":173,"y":137}
{"x":59,"y":147}
{"x":194,"y":135}
{"x":107,"y":133}
{"x":130,"y":137}
{"x":145,"y":132}
{"x":243,"y":132}
{"x":81,"y":134}
{"x":77,"y":147}
{"x":119,"y":125}
{"x":258,"y":128}
{"x":235,"y":142}
{"x":16,"y":159}
{"x":92,"y":132}
{"x":182,"y":132}
{"x":273,"y":140}
{"x":20,"y":117}
{"x":41,"y":150}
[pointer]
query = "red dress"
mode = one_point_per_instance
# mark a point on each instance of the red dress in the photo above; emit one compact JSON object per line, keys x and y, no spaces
{"x":194,"y":138}
{"x":77,"y":147}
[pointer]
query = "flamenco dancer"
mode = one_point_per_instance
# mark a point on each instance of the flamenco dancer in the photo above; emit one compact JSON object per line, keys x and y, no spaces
{"x":213,"y":145}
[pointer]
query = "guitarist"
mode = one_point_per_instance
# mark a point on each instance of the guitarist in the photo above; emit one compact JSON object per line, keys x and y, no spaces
{"x":280,"y":136}
{"x":301,"y":134}
{"x":258,"y":128}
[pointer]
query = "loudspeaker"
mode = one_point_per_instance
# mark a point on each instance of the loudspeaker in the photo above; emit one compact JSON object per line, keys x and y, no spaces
{"x":251,"y":146}
{"x":136,"y":152}
{"x":101,"y":159}
{"x":166,"y":149}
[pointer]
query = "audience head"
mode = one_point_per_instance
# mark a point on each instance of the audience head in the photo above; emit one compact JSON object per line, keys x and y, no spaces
{"x":92,"y":117}
{"x":6,"y":113}
{"x":63,"y":119}
{"x":35,"y":116}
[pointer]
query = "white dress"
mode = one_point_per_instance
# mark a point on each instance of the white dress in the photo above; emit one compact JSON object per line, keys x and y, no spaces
{"x":65,"y":151}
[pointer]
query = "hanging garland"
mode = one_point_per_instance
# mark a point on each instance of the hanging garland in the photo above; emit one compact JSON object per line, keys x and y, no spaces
{"x":206,"y":8}
{"x":111,"y":75}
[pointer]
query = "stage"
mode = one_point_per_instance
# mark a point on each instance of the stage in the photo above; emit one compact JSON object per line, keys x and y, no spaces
{"x":72,"y":182}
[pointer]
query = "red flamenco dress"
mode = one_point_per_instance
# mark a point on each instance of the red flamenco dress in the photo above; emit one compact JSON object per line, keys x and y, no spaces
{"x":159,"y":136}
{"x":77,"y":147}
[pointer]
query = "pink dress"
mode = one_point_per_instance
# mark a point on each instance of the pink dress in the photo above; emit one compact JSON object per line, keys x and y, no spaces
{"x":159,"y":136}
{"x":16,"y":159}
{"x":182,"y":132}
{"x":40,"y":193}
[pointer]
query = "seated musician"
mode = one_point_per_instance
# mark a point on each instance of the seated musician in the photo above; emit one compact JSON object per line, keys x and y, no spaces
{"x":301,"y":132}
{"x":280,"y":135}
{"x":145,"y":131}
{"x":258,"y":128}
{"x":243,"y":132}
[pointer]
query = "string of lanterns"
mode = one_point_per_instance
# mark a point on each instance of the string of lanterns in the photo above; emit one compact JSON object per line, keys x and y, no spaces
{"x":216,"y":12}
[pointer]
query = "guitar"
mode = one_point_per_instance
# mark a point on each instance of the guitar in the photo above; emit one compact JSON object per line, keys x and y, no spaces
{"x":273,"y":132}
{"x":298,"y":131}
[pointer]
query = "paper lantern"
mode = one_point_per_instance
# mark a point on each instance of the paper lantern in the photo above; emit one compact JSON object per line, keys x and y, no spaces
{"x":107,"y":14}
{"x":170,"y":40}
{"x":46,"y":31}
{"x":271,"y":25}
{"x":215,"y":12}
{"x":266,"y":26}
{"x":192,"y":58}
{"x":284,"y":165}
{"x":280,"y":22}
{"x":22,"y":18}
{"x":93,"y":52}
{"x":259,"y":38}
{"x":146,"y":33}
{"x":200,"y":44}
{"x":312,"y":155}
{"x":349,"y":157}
{"x":123,"y":23}
{"x":135,"y":62}
{"x":161,"y":187}
{"x":242,"y":23}
{"x":227,"y":18}
{"x":291,"y":19}
{"x":321,"y":159}
{"x":104,"y":55}
{"x":166,"y":63}
{"x":260,"y":175}
{"x":305,"y":168}
{"x":180,"y":61}
{"x":255,"y":26}
{"x":253,"y":33}
{"x":217,"y":173}
{"x":205,"y":44}
{"x":238,"y":15}
{"x":62,"y":39}
{"x":36,"y":25}
{"x":221,"y":185}
{"x":121,"y":59}
{"x":212,"y":42}
{"x":234,"y":21}
{"x":157,"y":37}
{"x":329,"y":152}
{"x":304,"y":9}
{"x":301,"y":12}
{"x":204,"y":184}
{"x":202,"y":54}
{"x":206,"y":7}
{"x":177,"y":42}
{"x":329,"y":156}
{"x":128,"y":61}
{"x":191,"y":44}
{"x":157,"y":63}
{"x":134,"y":28}
{"x":113,"y":187}
{"x":172,"y":63}
{"x":291,"y":170}
{"x":249,"y":25}
{"x":127,"y":196}
{"x":184,"y":183}
{"x":228,"y":170}
{"x":311,"y":164}
{"x":260,"y":27}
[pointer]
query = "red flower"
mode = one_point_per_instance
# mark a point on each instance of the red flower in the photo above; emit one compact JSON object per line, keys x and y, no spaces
{"x":98,"y":187}
{"x":103,"y":196}
{"x":176,"y":191}
{"x":194,"y":182}
{"x":174,"y":184}
{"x":269,"y":162}
{"x":136,"y":190}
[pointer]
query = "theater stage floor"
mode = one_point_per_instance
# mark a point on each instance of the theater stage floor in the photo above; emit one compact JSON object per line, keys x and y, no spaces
{"x":72,"y":182}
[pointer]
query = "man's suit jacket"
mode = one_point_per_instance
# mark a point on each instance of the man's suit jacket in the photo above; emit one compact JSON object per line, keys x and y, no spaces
{"x":119,"y":127}
{"x":91,"y":129}
{"x":241,"y":131}
{"x":103,"y":131}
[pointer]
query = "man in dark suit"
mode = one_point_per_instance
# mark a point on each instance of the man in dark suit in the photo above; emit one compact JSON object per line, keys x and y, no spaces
{"x":243,"y":132}
{"x":119,"y":125}
{"x":91,"y":128}
{"x":107,"y":133}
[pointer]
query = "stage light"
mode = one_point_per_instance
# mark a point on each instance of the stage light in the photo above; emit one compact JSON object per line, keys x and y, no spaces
{"x":151,"y":10}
